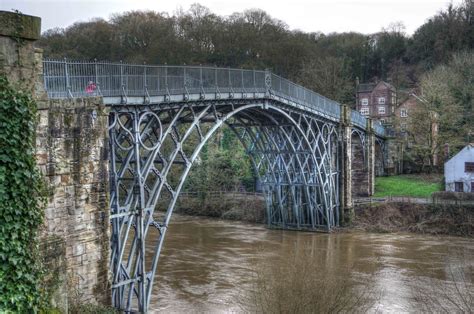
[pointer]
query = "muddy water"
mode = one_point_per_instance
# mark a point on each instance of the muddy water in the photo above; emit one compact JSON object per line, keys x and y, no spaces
{"x":208,"y":265}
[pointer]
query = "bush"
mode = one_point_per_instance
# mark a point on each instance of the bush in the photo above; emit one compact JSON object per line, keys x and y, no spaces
{"x":303,"y":282}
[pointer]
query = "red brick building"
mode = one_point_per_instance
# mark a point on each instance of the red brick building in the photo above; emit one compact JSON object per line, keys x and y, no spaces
{"x":376,"y":100}
{"x":402,"y":112}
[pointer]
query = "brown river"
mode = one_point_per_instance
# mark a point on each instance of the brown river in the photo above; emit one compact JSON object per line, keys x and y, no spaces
{"x":213,"y":266}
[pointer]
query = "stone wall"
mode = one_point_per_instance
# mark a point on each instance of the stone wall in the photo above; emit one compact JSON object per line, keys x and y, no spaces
{"x":71,"y":154}
{"x":360,"y":172}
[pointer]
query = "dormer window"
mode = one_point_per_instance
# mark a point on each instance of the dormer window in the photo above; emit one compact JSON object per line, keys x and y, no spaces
{"x":381,"y":100}
{"x":364,"y":101}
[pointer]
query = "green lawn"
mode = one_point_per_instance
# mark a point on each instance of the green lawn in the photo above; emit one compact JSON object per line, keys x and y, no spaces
{"x":406,"y":185}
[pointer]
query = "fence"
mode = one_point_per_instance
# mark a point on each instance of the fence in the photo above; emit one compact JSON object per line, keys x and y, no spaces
{"x":220,"y":194}
{"x":68,"y":78}
{"x":412,"y":200}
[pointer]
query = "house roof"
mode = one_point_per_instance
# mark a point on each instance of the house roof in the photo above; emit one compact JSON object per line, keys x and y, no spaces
{"x":366,"y":87}
{"x":468,"y":147}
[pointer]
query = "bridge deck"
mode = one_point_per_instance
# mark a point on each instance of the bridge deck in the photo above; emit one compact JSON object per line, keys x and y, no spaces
{"x":120,"y":83}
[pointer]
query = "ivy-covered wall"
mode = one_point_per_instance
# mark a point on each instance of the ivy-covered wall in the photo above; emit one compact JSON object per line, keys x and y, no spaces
{"x":63,"y":142}
{"x":21,"y":210}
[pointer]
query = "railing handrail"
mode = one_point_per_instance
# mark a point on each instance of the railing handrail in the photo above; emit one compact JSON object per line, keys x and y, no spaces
{"x":65,"y":78}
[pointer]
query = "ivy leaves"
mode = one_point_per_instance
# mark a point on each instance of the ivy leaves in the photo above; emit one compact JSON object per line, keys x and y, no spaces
{"x":21,"y":203}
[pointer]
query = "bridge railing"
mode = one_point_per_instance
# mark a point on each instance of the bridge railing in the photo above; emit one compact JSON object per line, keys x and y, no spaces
{"x":358,"y":119}
{"x":68,"y":78}
{"x":379,"y":129}
{"x":299,"y":94}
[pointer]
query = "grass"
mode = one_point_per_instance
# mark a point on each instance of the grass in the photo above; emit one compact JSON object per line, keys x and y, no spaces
{"x":406,"y":185}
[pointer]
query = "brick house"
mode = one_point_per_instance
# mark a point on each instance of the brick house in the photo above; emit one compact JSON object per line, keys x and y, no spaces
{"x":376,"y":100}
{"x":402,"y":111}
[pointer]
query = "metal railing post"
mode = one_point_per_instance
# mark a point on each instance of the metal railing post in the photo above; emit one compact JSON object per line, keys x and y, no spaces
{"x":201,"y":83}
{"x":254,"y":81}
{"x":145,"y":85}
{"x":122,"y":83}
{"x":68,"y":83}
{"x":184,"y":76}
{"x":268,"y":82}
{"x":96,"y":70}
{"x":231,"y":94}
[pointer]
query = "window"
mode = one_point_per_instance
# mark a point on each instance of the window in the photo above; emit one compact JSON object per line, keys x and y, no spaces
{"x":403,"y":127}
{"x":382,"y":121}
{"x":364,"y":101}
{"x":364,"y":111}
{"x":458,"y":187}
{"x":472,"y":187}
{"x":469,"y":166}
{"x":403,"y":113}
{"x":381,"y":100}
{"x":381,"y":109}
{"x":394,"y":99}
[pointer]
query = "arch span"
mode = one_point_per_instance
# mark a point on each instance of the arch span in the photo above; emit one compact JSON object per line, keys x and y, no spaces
{"x":154,"y":147}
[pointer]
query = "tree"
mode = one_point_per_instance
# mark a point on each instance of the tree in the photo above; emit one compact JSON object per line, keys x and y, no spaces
{"x":447,"y":32}
{"x":329,"y":76}
{"x":445,"y":113}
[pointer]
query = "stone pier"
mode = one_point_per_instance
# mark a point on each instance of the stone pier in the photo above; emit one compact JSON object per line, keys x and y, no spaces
{"x":345,"y":165}
{"x":356,"y":164}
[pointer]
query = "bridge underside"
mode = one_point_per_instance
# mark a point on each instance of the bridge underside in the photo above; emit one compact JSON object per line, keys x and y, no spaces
{"x":154,"y":146}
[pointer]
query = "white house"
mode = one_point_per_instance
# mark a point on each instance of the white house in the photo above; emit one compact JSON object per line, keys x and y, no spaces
{"x":459,"y":171}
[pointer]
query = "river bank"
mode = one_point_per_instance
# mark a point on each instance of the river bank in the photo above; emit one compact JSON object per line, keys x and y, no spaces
{"x":436,"y":219}
{"x":433,"y":219}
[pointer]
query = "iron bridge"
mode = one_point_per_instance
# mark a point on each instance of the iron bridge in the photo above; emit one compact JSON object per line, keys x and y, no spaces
{"x":160,"y":119}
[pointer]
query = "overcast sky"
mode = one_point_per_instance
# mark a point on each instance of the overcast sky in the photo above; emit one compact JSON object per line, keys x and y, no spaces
{"x":365,"y":16}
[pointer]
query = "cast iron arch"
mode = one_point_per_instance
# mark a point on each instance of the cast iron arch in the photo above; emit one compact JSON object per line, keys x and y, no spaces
{"x":294,"y":151}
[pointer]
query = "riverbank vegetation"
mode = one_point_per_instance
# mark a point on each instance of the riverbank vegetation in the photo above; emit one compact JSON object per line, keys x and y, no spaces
{"x":302,"y":281}
{"x":407,"y":185}
{"x":418,"y":218}
{"x":247,"y":207}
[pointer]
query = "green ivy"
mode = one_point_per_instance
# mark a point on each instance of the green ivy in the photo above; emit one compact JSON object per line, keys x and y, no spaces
{"x":21,"y":203}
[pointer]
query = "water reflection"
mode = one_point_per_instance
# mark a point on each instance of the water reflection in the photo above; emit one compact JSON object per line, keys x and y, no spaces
{"x":207,"y":265}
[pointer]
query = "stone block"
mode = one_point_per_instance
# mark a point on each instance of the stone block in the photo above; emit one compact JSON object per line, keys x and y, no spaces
{"x":78,"y":249}
{"x":18,"y":25}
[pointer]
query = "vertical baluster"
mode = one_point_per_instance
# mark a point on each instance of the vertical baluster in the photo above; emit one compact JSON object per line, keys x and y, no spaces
{"x":201,"y":82}
{"x":254,"y":81}
{"x":66,"y":72}
{"x":166,"y":77}
{"x":217,"y":83}
{"x":96,"y":77}
{"x":184,"y":77}
{"x":145,"y":91}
